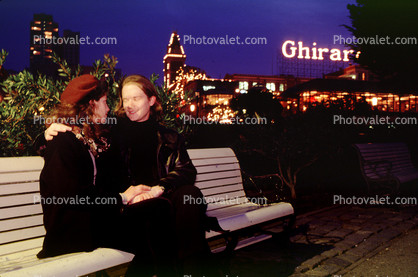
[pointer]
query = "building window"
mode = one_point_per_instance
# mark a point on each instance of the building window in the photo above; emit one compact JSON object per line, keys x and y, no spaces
{"x":271,"y":86}
{"x":243,"y":85}
{"x":281,"y":87}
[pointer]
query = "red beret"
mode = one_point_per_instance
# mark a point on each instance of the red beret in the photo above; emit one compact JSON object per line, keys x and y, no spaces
{"x":78,"y":88}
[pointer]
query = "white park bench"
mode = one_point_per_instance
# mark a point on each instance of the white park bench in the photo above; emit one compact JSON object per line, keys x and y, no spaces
{"x":22,"y":230}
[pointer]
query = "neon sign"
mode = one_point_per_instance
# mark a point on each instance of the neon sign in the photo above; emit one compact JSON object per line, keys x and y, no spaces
{"x":289,"y":50}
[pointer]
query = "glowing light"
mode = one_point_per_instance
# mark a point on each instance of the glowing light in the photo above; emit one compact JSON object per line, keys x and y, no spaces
{"x":221,"y":115}
{"x":192,"y":108}
{"x":374,"y":101}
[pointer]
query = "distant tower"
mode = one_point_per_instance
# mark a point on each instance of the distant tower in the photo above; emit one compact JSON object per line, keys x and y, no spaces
{"x":71,"y":51}
{"x":42,"y":31}
{"x":173,"y":60}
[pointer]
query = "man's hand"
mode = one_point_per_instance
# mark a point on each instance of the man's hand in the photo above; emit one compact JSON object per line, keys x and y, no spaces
{"x":53,"y":130}
{"x":155,"y":191}
{"x":142,"y":197}
{"x":134,"y":191}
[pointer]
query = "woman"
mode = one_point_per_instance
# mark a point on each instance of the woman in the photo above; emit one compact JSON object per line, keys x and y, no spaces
{"x":81,"y":214}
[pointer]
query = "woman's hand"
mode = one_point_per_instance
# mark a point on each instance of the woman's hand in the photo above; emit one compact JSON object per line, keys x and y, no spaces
{"x":53,"y":130}
{"x":142,"y":197}
{"x":155,"y":191}
{"x":134,"y":191}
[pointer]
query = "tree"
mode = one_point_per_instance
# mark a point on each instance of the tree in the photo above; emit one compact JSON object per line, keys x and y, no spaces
{"x":173,"y":105}
{"x":387,"y":25}
{"x":257,"y":102}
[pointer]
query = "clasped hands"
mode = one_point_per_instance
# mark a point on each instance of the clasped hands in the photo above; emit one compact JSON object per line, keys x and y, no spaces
{"x":135,"y":194}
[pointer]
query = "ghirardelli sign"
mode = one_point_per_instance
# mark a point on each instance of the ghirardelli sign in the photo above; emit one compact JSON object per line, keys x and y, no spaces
{"x":289,"y":50}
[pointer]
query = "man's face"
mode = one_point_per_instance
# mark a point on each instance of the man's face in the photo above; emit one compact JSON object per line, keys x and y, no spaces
{"x":136,"y":103}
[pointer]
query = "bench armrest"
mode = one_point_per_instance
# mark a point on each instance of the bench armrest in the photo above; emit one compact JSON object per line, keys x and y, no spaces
{"x":380,"y":166}
{"x":267,"y":186}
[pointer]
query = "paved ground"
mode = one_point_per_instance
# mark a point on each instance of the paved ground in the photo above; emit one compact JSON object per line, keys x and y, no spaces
{"x":344,"y":240}
{"x":338,"y":241}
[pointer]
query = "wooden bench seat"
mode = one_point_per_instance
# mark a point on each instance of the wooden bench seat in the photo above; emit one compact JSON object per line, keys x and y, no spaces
{"x":386,"y":163}
{"x":21,"y":222}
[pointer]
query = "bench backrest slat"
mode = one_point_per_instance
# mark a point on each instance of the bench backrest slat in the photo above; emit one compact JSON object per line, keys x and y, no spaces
{"x":19,"y":199}
{"x":27,"y":210}
{"x":22,"y":234}
{"x":21,"y":222}
{"x":219,"y":178}
{"x":19,"y":188}
{"x":19,"y":246}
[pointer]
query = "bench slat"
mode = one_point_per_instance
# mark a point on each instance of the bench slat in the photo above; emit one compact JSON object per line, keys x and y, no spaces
{"x":221,"y":160}
{"x":20,"y":199}
{"x":20,"y":211}
{"x":205,"y":153}
{"x":221,"y":182}
{"x":224,"y":189}
{"x":16,"y":177}
{"x":19,"y":188}
{"x":217,"y":167}
{"x":11,"y":164}
{"x":18,"y":259}
{"x":221,"y":205}
{"x":21,"y":222}
{"x":19,"y":246}
{"x":22,"y":234}
{"x":217,"y":175}
{"x":224,"y":197}
{"x":253,"y":217}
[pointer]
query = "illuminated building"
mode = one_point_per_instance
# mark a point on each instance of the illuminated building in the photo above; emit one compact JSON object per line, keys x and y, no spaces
{"x":212,"y":96}
{"x":42,"y":31}
{"x":348,"y":93}
{"x":273,"y":83}
{"x":173,"y":60}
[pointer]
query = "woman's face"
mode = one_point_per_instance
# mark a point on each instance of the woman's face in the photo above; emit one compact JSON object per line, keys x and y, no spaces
{"x":100,"y":110}
{"x":136,"y":103}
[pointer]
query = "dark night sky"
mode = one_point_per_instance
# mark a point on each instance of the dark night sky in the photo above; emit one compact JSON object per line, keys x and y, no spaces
{"x":143,"y":29}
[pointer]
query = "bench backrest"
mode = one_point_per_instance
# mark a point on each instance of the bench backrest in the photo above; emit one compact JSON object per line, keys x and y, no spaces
{"x":396,"y":153}
{"x":21,"y":222}
{"x":21,"y":225}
